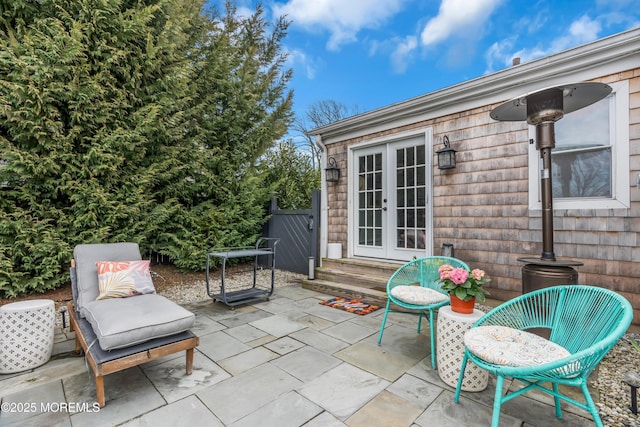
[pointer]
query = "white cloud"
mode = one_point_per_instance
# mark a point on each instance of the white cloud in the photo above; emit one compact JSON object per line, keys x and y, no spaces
{"x":460,"y":22}
{"x":581,"y":31}
{"x":457,"y":17}
{"x":297,"y":59}
{"x":244,"y":12}
{"x":402,"y":54}
{"x":342,"y":19}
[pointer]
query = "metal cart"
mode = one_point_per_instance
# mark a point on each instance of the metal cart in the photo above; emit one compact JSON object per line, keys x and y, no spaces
{"x":265,"y":246}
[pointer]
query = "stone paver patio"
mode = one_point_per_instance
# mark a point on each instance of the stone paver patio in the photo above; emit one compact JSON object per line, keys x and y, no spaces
{"x":286,"y":362}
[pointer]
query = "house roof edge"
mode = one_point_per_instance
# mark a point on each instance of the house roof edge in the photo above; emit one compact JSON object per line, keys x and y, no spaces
{"x":587,"y":61}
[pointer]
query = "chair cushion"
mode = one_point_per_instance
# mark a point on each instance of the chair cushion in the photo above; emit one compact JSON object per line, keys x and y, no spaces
{"x":417,"y":295}
{"x":121,"y":279}
{"x":86,"y":257}
{"x":505,"y":346}
{"x":121,"y":322}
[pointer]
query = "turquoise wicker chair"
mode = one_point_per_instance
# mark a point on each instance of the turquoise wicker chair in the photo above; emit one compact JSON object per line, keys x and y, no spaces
{"x":422,"y":272}
{"x":586,"y":321}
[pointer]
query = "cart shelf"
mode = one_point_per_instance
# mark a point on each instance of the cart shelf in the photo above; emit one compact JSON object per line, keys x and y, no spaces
{"x":264,"y":247}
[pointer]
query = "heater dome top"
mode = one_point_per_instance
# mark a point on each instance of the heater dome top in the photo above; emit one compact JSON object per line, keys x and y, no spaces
{"x":574,"y":97}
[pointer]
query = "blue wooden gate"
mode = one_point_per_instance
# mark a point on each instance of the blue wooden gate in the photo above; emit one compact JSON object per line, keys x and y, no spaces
{"x":298,"y":233}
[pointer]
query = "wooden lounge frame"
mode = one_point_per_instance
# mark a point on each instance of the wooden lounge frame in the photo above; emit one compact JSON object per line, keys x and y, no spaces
{"x":107,"y":362}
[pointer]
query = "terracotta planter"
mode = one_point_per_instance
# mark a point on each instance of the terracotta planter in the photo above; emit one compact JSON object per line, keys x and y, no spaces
{"x":460,"y":306}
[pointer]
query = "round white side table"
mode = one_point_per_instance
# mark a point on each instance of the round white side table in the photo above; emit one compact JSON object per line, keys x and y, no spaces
{"x":450,"y":350}
{"x":26,"y":334}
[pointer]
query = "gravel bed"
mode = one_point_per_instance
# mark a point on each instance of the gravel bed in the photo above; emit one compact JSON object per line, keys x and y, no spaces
{"x":196,"y":291}
{"x":614,"y":393}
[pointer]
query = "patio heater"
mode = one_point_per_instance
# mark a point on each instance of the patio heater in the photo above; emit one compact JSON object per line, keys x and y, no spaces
{"x":542,"y":109}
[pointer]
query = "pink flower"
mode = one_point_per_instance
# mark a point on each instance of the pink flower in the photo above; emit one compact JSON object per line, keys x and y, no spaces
{"x":459,"y":276}
{"x":477,"y":274}
{"x":444,"y":271}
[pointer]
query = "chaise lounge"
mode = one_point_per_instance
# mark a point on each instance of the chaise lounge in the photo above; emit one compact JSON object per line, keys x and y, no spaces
{"x":119,"y":320}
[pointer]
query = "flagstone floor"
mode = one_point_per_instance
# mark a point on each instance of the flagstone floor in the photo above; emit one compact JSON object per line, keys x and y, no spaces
{"x":285,"y":362}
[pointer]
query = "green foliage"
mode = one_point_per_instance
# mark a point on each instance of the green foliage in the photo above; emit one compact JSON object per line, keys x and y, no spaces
{"x":291,"y":175}
{"x":132,"y":121}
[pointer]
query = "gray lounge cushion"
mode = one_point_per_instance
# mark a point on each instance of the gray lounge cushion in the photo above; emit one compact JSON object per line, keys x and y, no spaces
{"x":86,"y":257}
{"x":122,"y":322}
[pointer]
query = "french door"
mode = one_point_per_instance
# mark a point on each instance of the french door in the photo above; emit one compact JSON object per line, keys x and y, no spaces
{"x":391,"y":205}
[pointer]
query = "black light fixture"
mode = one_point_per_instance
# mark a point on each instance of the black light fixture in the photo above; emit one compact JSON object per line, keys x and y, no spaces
{"x":446,"y":155}
{"x":332,"y":173}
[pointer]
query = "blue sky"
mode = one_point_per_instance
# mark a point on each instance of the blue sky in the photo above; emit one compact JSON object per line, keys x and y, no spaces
{"x":372,"y":53}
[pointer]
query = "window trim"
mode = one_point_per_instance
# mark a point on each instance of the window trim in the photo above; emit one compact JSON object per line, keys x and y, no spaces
{"x":620,"y":198}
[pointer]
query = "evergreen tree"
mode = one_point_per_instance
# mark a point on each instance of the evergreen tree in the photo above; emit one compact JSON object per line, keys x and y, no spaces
{"x":291,"y":174}
{"x":241,"y":106}
{"x":126,"y":120}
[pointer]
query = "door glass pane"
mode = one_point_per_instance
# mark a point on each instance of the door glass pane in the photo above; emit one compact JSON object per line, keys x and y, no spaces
{"x":420,"y":155}
{"x":421,"y":197}
{"x":378,"y":199}
{"x":411,"y":218}
{"x":421,"y":178}
{"x":370,"y":183}
{"x":378,"y":180}
{"x":421,"y":239}
{"x":410,"y":193}
{"x":400,"y":218}
{"x":399,"y":158}
{"x":401,"y":241}
{"x":421,"y":220}
{"x":411,"y":197}
{"x":410,"y":156}
{"x":400,"y":198}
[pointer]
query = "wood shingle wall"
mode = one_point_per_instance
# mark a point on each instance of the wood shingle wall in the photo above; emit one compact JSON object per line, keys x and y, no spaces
{"x":481,"y":206}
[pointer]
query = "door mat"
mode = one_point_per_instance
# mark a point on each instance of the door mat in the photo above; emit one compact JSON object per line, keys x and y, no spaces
{"x":351,"y":305}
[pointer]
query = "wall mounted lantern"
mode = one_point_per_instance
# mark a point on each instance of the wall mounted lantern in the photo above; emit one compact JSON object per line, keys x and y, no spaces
{"x":332,"y":173}
{"x":447,"y":249}
{"x":446,"y":155}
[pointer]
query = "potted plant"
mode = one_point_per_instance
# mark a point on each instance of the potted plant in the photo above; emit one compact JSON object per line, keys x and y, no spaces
{"x":464,"y":287}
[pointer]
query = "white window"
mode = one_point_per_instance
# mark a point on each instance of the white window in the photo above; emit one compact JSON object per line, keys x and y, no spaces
{"x":590,"y":161}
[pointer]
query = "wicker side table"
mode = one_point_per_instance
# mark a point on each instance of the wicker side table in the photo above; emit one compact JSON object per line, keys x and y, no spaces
{"x":26,"y":334}
{"x":450,"y":350}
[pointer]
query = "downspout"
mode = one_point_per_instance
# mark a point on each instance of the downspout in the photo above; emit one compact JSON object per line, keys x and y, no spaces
{"x":324,"y":204}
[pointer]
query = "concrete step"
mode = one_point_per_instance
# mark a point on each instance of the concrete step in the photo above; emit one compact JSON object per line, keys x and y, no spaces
{"x":371,"y":280}
{"x":370,"y":267}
